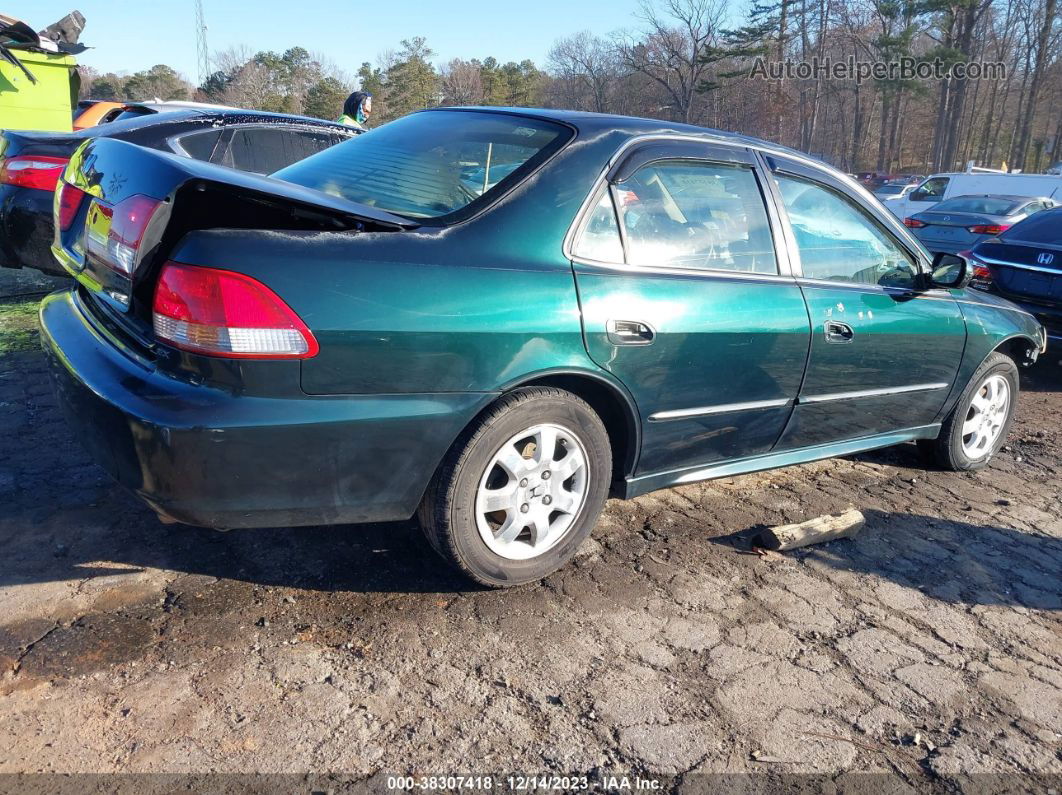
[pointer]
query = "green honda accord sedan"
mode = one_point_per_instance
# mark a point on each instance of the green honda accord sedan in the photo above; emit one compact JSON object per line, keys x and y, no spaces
{"x":493,"y":319}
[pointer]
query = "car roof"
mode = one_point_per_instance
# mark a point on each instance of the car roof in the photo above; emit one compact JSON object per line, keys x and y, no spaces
{"x":220,"y":116}
{"x":997,"y":196}
{"x":598,"y":122}
{"x":179,"y":103}
{"x":981,"y":174}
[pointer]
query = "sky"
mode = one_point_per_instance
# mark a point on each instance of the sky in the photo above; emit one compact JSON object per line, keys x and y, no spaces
{"x":130,"y":35}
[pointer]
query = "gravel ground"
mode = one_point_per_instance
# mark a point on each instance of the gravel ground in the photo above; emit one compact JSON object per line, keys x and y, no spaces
{"x":928,"y":647}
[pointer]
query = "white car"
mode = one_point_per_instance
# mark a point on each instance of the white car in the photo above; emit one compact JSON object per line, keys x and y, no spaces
{"x":893,"y":192}
{"x":938,"y":187}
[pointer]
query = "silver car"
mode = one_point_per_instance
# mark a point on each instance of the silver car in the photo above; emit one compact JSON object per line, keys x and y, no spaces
{"x":893,"y":190}
{"x":960,"y":223}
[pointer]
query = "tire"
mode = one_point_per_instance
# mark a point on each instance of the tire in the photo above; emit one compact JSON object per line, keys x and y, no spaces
{"x":558,"y":513}
{"x":955,"y":451}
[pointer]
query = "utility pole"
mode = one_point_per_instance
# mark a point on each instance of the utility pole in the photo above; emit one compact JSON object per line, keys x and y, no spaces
{"x":201,"y":43}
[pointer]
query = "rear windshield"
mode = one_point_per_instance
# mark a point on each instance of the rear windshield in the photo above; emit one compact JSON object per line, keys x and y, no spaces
{"x":124,"y":114}
{"x":977,"y":204}
{"x":432,"y":164}
{"x":1043,"y":227}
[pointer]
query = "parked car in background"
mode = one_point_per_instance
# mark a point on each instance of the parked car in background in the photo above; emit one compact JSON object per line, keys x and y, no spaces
{"x":874,"y":181}
{"x":958,"y":224}
{"x":31,"y":162}
{"x":373,"y":333}
{"x":892,"y":191}
{"x":132,"y":110}
{"x":1024,"y":265}
{"x":90,"y":112}
{"x":940,"y":187}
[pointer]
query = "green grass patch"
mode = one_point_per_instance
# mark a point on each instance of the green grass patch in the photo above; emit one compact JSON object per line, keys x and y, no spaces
{"x":18,"y":325}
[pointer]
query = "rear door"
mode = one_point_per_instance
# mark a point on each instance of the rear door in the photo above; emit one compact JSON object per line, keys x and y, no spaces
{"x":883,"y":353}
{"x":688,"y":300}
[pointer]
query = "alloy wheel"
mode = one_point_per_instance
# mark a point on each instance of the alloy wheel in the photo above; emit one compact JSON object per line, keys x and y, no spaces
{"x":986,"y":416}
{"x":532,"y":491}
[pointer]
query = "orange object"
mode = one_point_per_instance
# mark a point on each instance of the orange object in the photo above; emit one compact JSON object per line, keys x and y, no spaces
{"x":91,"y":116}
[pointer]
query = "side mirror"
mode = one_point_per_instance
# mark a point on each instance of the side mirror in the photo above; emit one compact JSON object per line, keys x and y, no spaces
{"x":950,"y":271}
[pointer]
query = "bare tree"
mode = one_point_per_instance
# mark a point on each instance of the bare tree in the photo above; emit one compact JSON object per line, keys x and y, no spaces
{"x":671,"y":53}
{"x":1046,"y":38}
{"x":461,"y":83}
{"x":587,"y":69}
{"x":232,"y":59}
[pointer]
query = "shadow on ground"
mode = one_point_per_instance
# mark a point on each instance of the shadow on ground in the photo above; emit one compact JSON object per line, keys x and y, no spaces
{"x":1045,"y":376}
{"x":85,"y":543}
{"x":952,"y":561}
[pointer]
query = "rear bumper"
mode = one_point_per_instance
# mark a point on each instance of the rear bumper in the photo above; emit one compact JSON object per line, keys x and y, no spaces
{"x":26,"y":230}
{"x":206,"y":456}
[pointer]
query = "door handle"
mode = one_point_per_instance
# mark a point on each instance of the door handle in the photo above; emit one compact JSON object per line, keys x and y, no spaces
{"x":629,"y":332}
{"x":838,"y":332}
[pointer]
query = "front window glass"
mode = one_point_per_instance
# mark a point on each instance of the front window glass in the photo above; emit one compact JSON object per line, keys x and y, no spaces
{"x":696,"y":215}
{"x":837,"y":241}
{"x":431,"y":164}
{"x":932,"y":190}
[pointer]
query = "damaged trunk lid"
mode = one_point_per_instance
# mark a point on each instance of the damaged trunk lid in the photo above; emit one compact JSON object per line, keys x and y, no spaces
{"x":120,"y":209}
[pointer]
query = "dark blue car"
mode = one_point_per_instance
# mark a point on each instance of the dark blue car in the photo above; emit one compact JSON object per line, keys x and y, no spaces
{"x":1024,"y":264}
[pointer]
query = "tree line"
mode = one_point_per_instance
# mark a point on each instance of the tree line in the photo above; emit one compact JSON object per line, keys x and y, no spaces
{"x":688,"y":61}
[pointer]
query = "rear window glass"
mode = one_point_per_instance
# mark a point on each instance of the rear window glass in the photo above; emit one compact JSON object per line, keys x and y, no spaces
{"x":977,"y":204}
{"x":200,"y":145}
{"x":123,"y":114}
{"x":431,"y":164}
{"x":263,"y":150}
{"x":1043,"y":227}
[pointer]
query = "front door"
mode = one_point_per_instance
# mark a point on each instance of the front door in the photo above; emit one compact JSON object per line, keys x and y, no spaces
{"x":686,"y":299}
{"x":924,"y":197}
{"x":884,"y":353}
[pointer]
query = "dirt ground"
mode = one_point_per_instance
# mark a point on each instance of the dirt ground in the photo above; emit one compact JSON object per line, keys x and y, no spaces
{"x":928,"y":647}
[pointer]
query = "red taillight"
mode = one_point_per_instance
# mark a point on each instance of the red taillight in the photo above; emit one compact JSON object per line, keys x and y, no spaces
{"x":222,"y":313}
{"x":988,"y":229}
{"x":32,"y":171}
{"x":914,"y":223}
{"x":115,"y":233}
{"x":70,"y":199}
{"x":982,"y":276}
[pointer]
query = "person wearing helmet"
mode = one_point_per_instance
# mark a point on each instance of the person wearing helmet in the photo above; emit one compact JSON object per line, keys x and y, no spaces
{"x":356,"y":110}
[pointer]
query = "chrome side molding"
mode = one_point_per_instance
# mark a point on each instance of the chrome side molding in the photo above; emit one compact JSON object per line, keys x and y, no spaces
{"x":753,"y":405}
